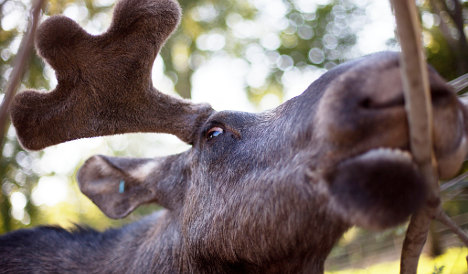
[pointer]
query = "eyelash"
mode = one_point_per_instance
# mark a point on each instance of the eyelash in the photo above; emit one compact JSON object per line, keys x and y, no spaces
{"x":214,"y":132}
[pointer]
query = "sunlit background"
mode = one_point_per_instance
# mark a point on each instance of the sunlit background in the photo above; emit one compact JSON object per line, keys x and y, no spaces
{"x":248,"y":55}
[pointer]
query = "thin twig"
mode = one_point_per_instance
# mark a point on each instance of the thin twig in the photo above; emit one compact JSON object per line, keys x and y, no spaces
{"x":459,"y":83}
{"x":418,"y":107}
{"x":446,"y":220}
{"x":454,"y":183}
{"x":20,"y":64}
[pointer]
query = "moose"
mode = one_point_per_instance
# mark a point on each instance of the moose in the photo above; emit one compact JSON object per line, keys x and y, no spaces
{"x":268,"y":192}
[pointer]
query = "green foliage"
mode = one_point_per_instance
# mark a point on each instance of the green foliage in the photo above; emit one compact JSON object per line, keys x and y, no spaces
{"x":17,"y":181}
{"x":318,"y":39}
{"x":444,"y":36}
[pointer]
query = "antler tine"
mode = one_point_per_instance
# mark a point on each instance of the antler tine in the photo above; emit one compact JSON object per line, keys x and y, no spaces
{"x":104,"y":82}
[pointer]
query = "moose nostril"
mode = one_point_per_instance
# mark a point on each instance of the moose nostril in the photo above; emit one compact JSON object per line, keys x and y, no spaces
{"x":369,"y":103}
{"x":366,"y":103}
{"x":440,"y":95}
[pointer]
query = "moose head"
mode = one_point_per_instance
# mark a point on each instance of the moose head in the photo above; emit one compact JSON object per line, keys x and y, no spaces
{"x":256,"y":192}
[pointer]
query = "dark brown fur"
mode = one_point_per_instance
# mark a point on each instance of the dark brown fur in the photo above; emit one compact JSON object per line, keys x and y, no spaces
{"x":271,"y":194}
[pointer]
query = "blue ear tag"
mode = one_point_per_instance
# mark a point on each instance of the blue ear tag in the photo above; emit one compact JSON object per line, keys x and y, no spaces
{"x":122,"y":186}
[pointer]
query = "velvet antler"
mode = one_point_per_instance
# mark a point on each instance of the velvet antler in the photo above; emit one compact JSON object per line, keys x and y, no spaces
{"x":104,"y":82}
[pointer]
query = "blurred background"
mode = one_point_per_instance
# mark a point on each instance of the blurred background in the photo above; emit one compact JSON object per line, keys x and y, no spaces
{"x":248,"y":55}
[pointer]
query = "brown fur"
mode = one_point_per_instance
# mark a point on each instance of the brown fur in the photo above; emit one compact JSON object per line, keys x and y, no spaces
{"x":104,"y":82}
{"x":272,"y":193}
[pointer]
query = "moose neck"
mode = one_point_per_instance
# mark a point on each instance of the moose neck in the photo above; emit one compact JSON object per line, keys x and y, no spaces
{"x":302,"y":255}
{"x":165,"y":249}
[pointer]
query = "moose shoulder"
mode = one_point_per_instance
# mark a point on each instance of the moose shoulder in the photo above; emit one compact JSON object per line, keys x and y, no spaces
{"x":267,"y":192}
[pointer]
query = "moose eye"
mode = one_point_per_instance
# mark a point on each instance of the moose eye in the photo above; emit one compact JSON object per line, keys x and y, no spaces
{"x":214,"y":132}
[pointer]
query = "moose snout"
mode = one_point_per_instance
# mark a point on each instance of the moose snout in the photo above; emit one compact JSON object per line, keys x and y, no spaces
{"x":365,"y":110}
{"x":363,"y":131}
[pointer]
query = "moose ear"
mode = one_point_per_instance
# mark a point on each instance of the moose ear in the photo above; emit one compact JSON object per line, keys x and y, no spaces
{"x":378,"y":189}
{"x":119,"y":185}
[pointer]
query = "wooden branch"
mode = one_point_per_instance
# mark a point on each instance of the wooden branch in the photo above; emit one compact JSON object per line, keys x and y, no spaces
{"x":415,"y":238}
{"x":418,"y":108}
{"x":20,"y":63}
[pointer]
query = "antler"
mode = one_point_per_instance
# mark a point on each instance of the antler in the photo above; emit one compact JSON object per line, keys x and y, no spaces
{"x":104,"y":82}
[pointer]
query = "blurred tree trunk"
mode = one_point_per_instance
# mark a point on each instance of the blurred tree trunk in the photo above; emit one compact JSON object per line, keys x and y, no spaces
{"x":182,"y":83}
{"x":5,"y":208}
{"x":451,"y":25}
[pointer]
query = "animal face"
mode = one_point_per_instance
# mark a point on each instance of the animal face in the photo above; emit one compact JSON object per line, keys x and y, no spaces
{"x":254,"y":187}
{"x":335,"y":156}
